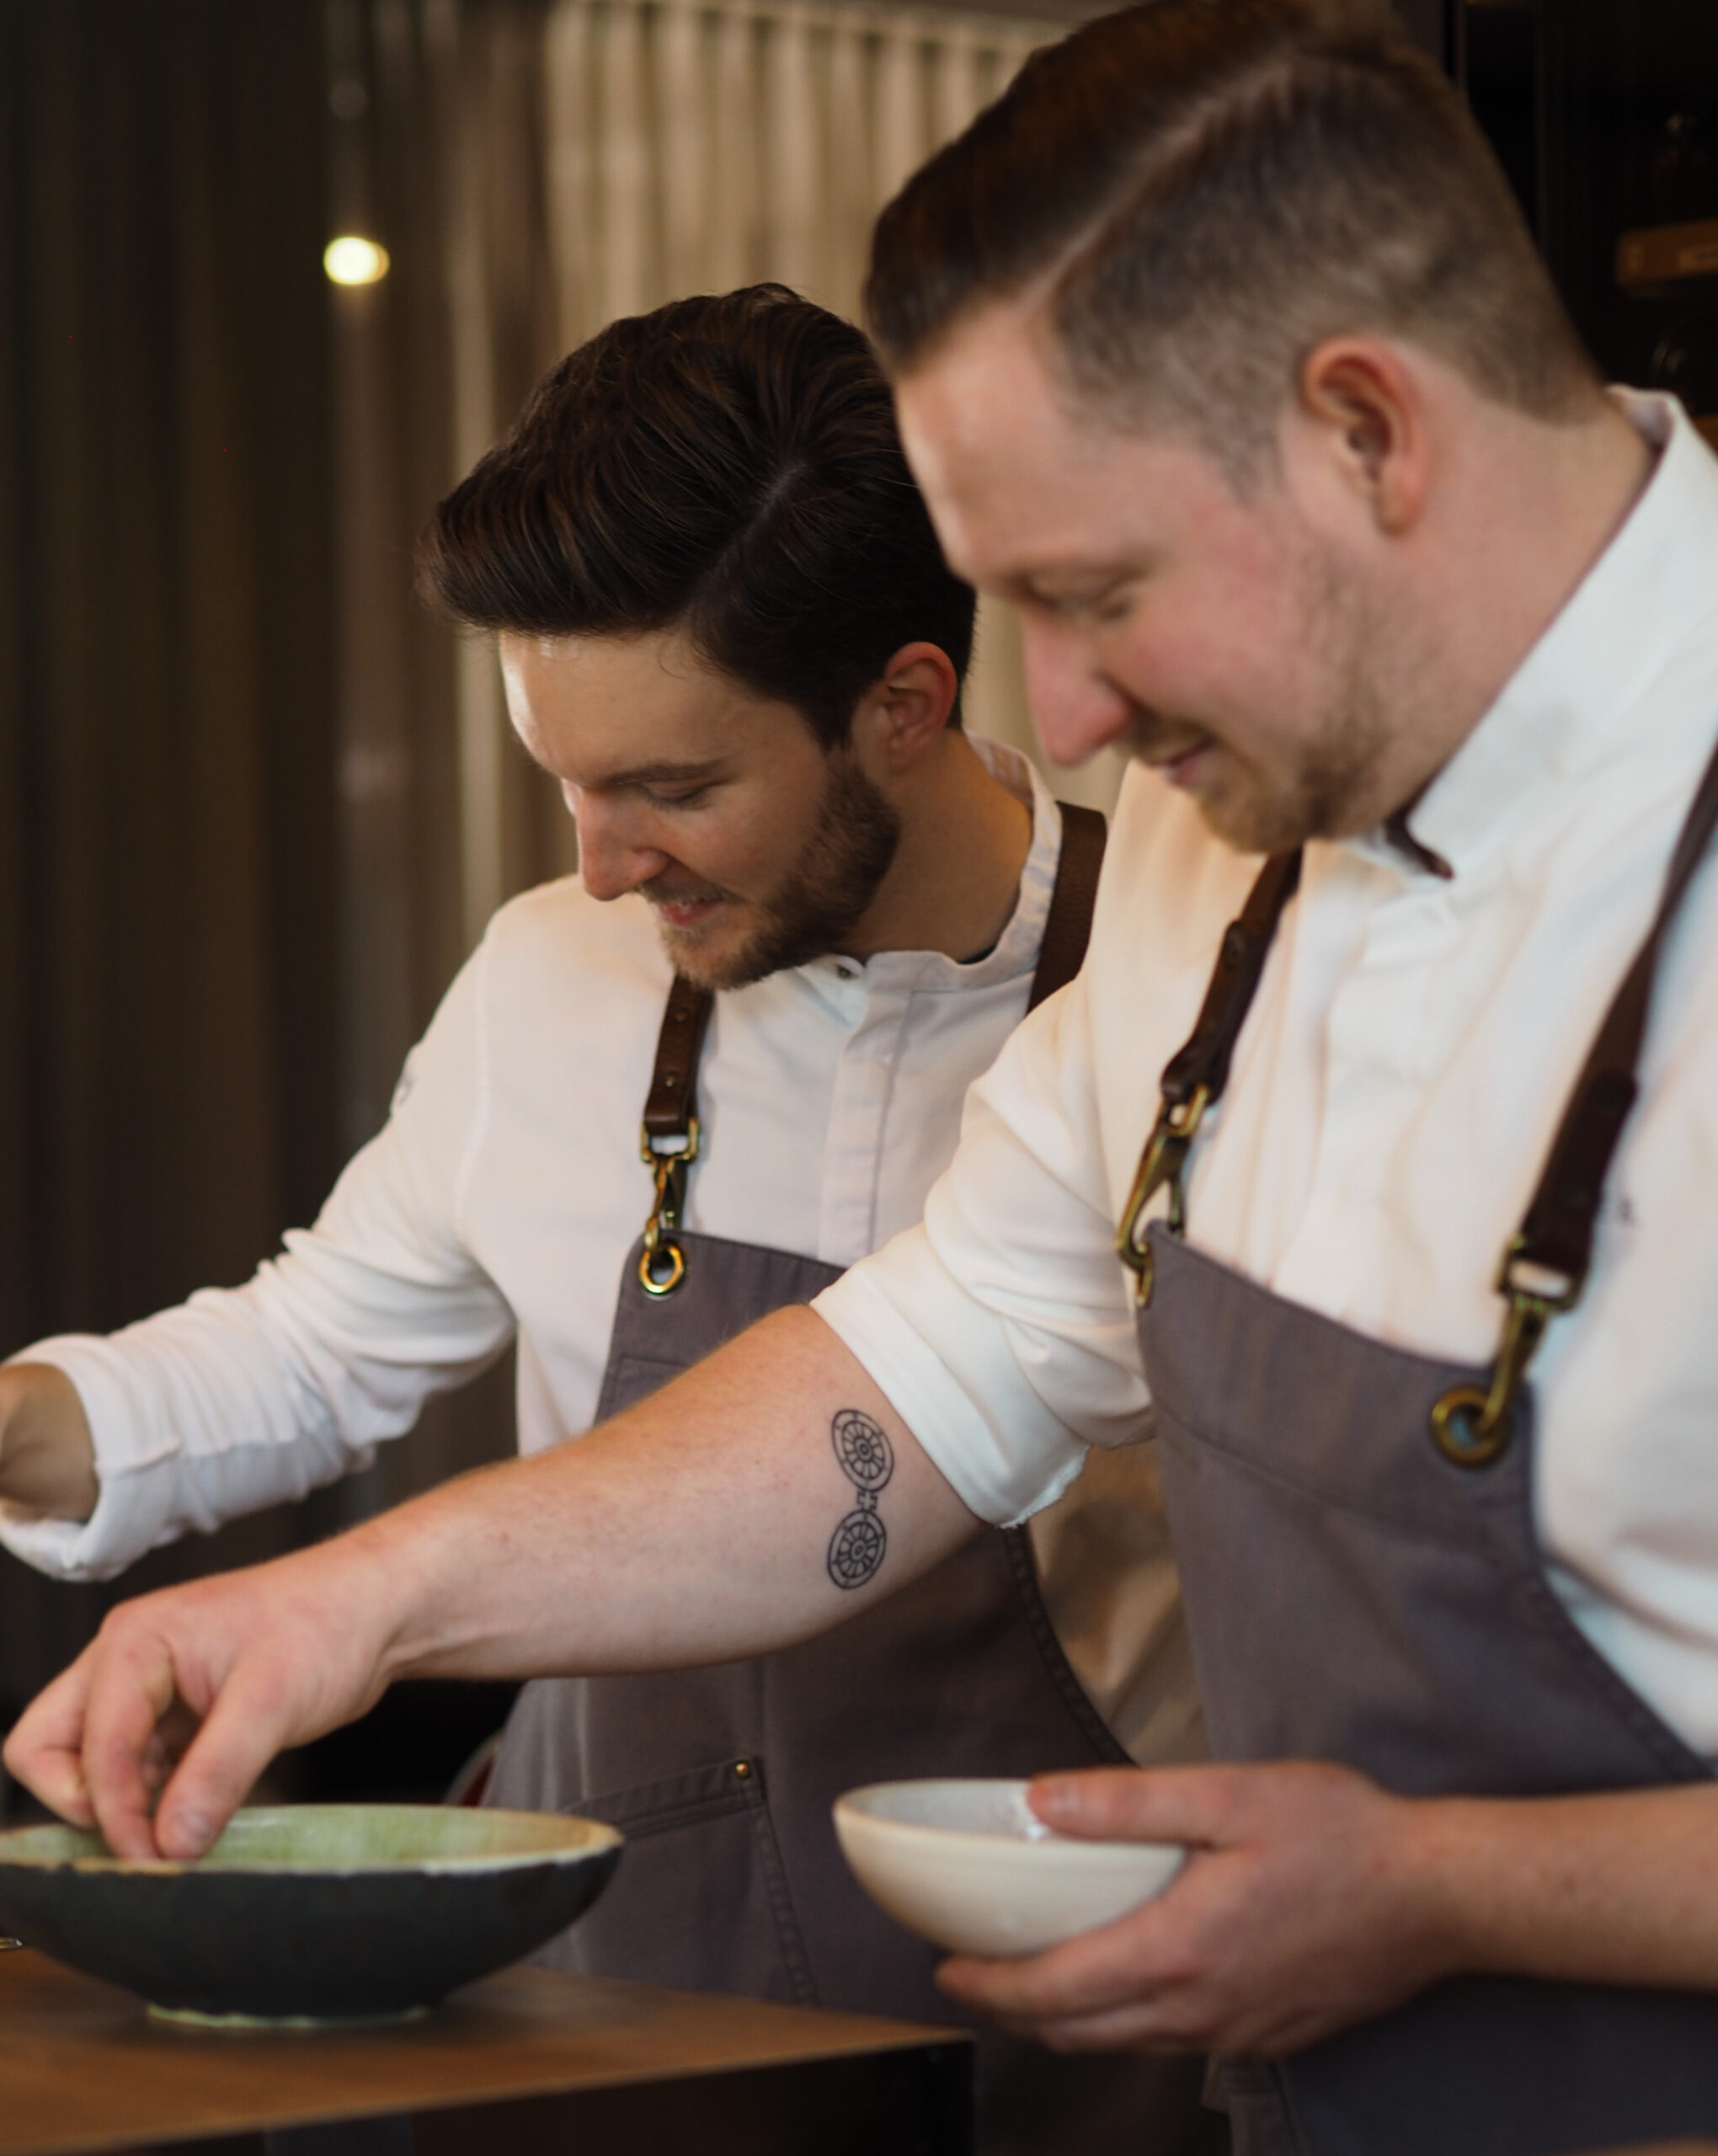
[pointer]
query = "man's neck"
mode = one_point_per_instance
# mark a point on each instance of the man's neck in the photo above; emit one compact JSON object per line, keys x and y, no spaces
{"x":1536,"y":509}
{"x":955,"y":878}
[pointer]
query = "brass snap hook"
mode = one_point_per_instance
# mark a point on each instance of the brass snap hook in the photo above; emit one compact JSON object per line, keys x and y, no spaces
{"x":1472,"y":1428}
{"x":1161,"y":1163}
{"x":662,"y":1263}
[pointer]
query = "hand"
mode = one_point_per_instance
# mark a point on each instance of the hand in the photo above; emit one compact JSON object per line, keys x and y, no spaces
{"x":185,"y":1696}
{"x":47,"y":1458}
{"x":1302,"y":1908}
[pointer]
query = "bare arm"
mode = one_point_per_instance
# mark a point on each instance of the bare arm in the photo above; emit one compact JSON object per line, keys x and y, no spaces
{"x":47,"y":1457}
{"x":1313,"y":1900}
{"x":713,"y":1521}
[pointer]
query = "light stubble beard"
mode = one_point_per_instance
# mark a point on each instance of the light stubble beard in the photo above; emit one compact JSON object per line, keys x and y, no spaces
{"x":1334,"y":788}
{"x":821,"y":899}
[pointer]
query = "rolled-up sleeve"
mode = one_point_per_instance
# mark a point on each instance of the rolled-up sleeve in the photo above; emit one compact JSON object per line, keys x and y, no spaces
{"x":249,"y":1396}
{"x":1000,"y":1328}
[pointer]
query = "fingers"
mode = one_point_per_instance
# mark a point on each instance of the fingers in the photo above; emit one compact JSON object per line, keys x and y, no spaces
{"x":1051,"y":1999}
{"x":44,"y":1751}
{"x":1135,"y":1957}
{"x":134,"y":1685}
{"x":251,"y":1720}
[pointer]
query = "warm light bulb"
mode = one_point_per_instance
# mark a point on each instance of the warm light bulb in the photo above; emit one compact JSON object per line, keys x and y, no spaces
{"x":349,"y":260}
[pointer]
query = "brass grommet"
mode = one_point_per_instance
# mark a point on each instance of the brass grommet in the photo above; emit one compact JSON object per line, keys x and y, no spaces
{"x":663,"y":1283}
{"x":1459,"y":1428}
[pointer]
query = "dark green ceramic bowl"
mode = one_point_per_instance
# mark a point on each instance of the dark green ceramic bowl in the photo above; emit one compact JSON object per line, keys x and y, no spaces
{"x":315,"y":1912}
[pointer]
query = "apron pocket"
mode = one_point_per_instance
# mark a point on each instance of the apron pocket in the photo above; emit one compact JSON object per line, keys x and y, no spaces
{"x":701,"y":1899}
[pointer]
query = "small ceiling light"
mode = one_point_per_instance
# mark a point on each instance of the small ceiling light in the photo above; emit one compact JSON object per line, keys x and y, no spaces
{"x":349,"y":260}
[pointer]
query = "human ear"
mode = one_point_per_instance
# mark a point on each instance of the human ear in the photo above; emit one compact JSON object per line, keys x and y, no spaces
{"x":1366,"y":406}
{"x":902,"y":715}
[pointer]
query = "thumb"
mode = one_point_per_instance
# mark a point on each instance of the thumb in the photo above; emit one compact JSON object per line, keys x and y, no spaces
{"x":1133,"y":1804}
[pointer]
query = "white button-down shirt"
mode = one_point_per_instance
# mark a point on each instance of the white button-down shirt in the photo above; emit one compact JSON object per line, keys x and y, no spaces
{"x":506,"y":1190}
{"x":1392,"y":1099}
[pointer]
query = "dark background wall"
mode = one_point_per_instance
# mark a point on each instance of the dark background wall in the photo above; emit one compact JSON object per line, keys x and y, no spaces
{"x":184,"y":829}
{"x":168,"y":938}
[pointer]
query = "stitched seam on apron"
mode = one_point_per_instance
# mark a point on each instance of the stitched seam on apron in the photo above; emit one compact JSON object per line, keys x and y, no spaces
{"x":1241,"y":1287}
{"x":640,"y":1826}
{"x":788,"y":1931}
{"x":1546,"y":1608}
{"x":1319,"y":1494}
{"x":1087,"y":1720}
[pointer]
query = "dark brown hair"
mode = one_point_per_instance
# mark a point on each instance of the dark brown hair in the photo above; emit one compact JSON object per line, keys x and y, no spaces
{"x":1205,"y":189}
{"x":725,"y":467}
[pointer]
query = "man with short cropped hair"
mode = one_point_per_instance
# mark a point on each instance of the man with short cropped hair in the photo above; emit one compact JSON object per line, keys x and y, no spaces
{"x":726,"y":628}
{"x":1373,"y":1178}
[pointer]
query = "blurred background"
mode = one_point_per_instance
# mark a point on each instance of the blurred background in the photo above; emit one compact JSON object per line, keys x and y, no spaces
{"x":254,"y":805}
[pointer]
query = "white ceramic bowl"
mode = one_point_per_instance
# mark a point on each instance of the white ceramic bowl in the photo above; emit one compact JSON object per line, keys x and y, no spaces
{"x":968,"y":1865}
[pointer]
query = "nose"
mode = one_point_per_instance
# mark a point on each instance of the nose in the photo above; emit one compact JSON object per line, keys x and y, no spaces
{"x":1075,"y":707}
{"x":614,"y":853}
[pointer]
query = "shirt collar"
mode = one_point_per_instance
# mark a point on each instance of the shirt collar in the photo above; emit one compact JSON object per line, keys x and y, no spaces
{"x":1016,"y":951}
{"x":1559,"y":714}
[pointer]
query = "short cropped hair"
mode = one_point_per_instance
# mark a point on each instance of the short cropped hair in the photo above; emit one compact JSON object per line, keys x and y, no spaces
{"x":725,"y":467}
{"x":1204,"y":191}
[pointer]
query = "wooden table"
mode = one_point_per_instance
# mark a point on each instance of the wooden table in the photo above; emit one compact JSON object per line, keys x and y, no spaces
{"x":520,"y":2062}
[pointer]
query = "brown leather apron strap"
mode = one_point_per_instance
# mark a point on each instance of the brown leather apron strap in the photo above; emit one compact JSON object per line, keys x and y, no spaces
{"x":669,"y":1137}
{"x":1544,"y":1268}
{"x":1068,"y":924}
{"x":1241,"y":960}
{"x":1196,"y":1075}
{"x":1556,"y":1234}
{"x":671,"y":1104}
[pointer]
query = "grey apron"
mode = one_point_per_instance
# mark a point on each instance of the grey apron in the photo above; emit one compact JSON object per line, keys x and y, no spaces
{"x":1364,"y":1582}
{"x":722,"y":1778}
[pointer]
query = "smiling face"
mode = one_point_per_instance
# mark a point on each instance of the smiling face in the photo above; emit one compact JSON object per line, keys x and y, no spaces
{"x":719,"y":806}
{"x":1219,"y":637}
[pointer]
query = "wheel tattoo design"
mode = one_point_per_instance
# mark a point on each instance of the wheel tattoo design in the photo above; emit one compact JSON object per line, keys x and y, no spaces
{"x":867,"y":1460}
{"x":857,"y":1548}
{"x":866,"y":1457}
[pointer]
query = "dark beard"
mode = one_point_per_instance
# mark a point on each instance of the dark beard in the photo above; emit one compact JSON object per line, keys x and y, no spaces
{"x":824,"y":895}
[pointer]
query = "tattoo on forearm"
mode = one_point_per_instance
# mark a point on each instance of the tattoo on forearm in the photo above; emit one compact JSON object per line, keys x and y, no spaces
{"x":857,"y":1545}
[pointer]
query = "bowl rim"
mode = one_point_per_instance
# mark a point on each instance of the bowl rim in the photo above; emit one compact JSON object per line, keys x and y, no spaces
{"x":1071,"y":1848}
{"x":591,"y":1837}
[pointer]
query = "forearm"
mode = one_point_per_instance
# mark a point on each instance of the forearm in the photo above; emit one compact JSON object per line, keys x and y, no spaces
{"x":47,"y":1456}
{"x":705,"y":1524}
{"x":695,"y":1527}
{"x":1619,"y":1888}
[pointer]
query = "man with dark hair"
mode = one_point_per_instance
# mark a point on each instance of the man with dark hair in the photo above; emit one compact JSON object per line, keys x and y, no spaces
{"x":725,"y":626}
{"x":1424,"y":616}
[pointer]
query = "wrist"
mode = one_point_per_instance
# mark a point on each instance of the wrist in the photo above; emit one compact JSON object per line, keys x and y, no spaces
{"x":404,"y":1569}
{"x":47,"y":1454}
{"x":1436,"y":1844}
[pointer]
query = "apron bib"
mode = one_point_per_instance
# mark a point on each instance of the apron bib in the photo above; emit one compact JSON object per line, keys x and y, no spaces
{"x":722,"y":1779}
{"x":1364,"y":1582}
